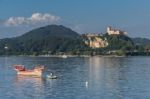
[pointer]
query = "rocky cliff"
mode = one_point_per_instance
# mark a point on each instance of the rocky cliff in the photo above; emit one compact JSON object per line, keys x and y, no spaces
{"x":95,"y":40}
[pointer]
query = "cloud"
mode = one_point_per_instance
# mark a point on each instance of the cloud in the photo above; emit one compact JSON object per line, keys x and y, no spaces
{"x":35,"y":18}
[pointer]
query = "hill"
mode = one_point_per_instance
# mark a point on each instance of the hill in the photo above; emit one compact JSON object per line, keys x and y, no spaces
{"x":43,"y":40}
{"x":57,"y":39}
{"x":141,"y":41}
{"x":105,"y":44}
{"x":119,"y":42}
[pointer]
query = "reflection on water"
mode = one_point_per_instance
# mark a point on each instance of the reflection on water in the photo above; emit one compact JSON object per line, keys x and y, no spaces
{"x":78,"y":78}
{"x":118,"y":78}
{"x":28,"y":86}
{"x":31,"y":79}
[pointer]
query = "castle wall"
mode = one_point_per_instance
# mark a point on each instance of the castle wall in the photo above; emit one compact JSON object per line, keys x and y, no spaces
{"x":111,"y":31}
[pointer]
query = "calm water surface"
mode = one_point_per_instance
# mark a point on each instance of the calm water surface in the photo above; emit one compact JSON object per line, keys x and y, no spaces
{"x":108,"y":78}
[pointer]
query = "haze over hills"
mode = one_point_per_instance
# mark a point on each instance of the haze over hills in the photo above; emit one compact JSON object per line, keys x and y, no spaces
{"x":57,"y":39}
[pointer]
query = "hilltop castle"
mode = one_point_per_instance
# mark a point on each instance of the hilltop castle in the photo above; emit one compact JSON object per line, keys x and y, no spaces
{"x":112,"y":31}
{"x":95,"y":40}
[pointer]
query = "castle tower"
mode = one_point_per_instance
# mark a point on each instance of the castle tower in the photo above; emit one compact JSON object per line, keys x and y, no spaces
{"x":108,"y":29}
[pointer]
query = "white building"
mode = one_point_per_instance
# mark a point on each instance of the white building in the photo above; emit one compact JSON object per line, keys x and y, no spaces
{"x":112,"y":31}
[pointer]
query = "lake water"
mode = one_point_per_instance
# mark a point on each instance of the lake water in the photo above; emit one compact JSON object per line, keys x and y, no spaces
{"x":78,"y":78}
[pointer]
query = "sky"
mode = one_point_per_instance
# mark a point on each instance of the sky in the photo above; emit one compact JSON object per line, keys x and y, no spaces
{"x":83,"y":16}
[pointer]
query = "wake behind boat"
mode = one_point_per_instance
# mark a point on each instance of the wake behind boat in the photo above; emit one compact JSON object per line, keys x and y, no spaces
{"x":21,"y":70}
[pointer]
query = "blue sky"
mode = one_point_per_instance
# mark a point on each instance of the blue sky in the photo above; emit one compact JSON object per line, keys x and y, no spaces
{"x":83,"y":16}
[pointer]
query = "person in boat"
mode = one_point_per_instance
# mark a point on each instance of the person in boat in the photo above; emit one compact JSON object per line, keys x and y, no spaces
{"x":51,"y":74}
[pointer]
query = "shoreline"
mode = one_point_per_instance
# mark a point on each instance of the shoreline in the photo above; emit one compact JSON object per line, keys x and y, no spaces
{"x":71,"y":56}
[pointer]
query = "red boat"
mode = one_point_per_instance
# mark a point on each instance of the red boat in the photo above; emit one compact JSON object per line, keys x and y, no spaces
{"x":21,"y":70}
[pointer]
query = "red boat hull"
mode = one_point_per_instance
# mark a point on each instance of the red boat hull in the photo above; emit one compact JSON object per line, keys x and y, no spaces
{"x":35,"y":72}
{"x":30,"y":73}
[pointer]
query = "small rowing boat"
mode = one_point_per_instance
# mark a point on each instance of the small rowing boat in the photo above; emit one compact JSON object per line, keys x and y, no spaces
{"x":51,"y":76}
{"x":21,"y":70}
{"x":64,"y":56}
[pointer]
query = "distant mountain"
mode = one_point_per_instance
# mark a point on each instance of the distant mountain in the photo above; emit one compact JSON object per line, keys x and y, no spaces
{"x":141,"y":41}
{"x":48,"y":39}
